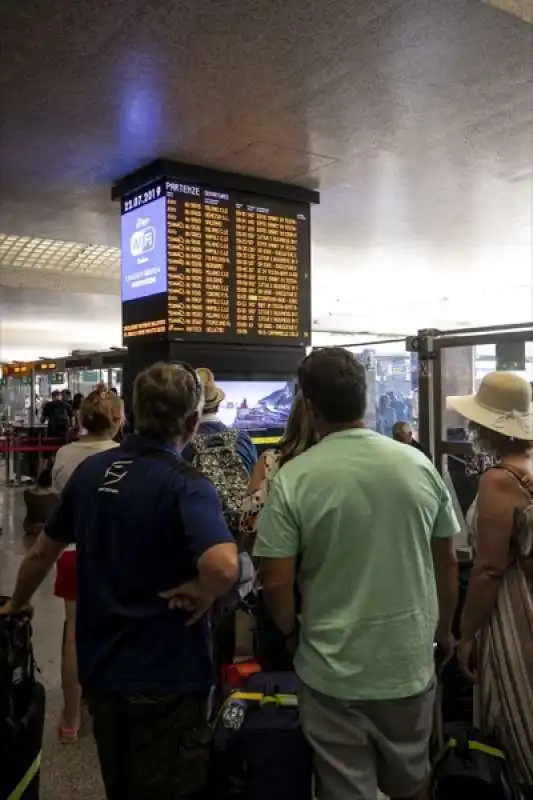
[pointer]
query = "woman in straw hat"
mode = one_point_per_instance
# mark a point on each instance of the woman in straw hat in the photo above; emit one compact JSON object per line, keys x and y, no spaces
{"x":496,"y":647}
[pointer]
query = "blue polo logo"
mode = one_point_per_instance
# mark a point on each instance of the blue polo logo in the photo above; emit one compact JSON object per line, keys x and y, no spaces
{"x":114,"y":475}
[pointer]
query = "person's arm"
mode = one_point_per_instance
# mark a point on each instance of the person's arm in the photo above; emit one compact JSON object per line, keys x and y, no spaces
{"x":447,"y":579}
{"x":45,"y":552}
{"x":252,"y":504}
{"x":495,"y":518}
{"x":57,"y":483}
{"x":278,"y":545}
{"x":247,"y":451}
{"x":45,"y":413}
{"x":445,"y":529}
{"x":213,"y":549}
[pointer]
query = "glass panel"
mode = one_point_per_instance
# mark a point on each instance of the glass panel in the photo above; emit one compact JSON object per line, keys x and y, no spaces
{"x":85,"y":381}
{"x":16,"y":402}
{"x":116,"y":379}
{"x":463,"y":369}
{"x":392,"y":377}
{"x":460,"y":372}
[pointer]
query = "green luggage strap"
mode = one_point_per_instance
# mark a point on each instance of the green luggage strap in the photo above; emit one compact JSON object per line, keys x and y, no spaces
{"x":278,"y":700}
{"x":284,"y":700}
{"x":481,"y":748}
{"x":20,"y":788}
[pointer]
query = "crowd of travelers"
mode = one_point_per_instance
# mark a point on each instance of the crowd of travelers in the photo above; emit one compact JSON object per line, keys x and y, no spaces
{"x":353,"y":536}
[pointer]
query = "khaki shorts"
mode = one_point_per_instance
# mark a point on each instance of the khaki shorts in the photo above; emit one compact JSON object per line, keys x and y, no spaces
{"x":363,"y":746}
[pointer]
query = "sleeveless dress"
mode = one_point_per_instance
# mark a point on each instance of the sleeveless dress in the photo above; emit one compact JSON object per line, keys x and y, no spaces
{"x":504,"y":693}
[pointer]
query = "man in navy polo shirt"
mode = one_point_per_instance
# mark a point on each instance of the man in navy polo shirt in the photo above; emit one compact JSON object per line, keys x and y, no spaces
{"x":144,"y":522}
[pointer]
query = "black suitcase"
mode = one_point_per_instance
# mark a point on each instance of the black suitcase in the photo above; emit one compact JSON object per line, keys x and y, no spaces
{"x":20,"y":753}
{"x":22,"y":709}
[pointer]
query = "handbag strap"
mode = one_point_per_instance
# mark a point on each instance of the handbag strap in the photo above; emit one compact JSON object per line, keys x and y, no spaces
{"x":523,"y":478}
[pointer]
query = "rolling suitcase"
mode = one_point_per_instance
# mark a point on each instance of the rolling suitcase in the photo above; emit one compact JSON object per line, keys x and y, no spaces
{"x":259,"y":750}
{"x":22,"y":708}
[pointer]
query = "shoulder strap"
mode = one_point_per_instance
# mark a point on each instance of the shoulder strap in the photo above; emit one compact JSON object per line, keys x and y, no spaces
{"x":204,"y":442}
{"x":525,"y":481}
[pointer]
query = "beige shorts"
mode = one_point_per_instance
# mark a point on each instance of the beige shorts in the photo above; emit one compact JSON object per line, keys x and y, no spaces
{"x":363,"y":746}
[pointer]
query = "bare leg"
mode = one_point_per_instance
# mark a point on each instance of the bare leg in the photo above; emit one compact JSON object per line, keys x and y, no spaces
{"x":70,"y":717}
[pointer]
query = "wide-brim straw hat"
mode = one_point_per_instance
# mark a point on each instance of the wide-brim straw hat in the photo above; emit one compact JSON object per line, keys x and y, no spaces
{"x":213,"y":394}
{"x":502,"y":404}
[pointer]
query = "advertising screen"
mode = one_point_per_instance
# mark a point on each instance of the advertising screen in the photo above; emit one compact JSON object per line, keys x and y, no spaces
{"x":256,"y":405}
{"x":144,"y":251}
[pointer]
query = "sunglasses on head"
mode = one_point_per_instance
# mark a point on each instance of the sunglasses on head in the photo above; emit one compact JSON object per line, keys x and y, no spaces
{"x":198,"y":388}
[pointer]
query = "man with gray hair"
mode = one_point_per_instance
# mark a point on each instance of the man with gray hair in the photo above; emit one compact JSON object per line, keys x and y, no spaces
{"x":144,"y":521}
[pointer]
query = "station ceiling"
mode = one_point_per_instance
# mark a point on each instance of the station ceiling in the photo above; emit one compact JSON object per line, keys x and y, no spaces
{"x":414,"y":118}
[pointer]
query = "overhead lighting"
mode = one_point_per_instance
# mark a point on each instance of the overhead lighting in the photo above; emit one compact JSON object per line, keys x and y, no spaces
{"x":55,"y":255}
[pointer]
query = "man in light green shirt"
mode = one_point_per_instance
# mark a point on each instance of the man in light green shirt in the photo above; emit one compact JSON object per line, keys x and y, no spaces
{"x":370,"y":524}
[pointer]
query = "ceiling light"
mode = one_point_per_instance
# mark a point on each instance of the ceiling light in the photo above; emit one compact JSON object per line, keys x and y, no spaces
{"x":58,"y":255}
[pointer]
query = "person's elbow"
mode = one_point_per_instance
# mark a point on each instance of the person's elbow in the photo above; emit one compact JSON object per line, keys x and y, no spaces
{"x":218,"y":568}
{"x":228,"y":568}
{"x":490,"y":573}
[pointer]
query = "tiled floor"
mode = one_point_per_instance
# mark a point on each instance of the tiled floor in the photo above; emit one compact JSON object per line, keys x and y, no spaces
{"x":68,"y":771}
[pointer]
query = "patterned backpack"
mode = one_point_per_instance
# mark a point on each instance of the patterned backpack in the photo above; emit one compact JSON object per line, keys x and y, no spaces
{"x":216,"y":457}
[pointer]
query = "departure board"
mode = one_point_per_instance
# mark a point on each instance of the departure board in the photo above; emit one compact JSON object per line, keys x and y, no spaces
{"x":237,"y":267}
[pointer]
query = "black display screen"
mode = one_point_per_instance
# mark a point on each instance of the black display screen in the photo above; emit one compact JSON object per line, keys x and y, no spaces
{"x":237,"y":266}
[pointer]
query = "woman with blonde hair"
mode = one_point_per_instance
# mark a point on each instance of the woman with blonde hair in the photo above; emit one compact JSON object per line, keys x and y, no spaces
{"x":298,"y":437}
{"x":496,"y":646}
{"x":101,"y":416}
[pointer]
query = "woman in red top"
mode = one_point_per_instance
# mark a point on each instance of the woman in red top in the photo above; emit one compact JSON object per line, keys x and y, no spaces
{"x":101,"y":415}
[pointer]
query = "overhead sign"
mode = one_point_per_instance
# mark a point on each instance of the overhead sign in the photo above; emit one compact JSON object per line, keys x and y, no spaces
{"x":200,"y":264}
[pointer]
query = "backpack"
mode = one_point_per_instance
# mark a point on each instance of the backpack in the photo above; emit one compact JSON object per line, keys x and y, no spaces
{"x":216,"y":457}
{"x":472,"y":765}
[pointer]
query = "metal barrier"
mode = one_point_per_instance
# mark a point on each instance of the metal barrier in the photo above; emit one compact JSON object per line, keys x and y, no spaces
{"x":16,"y":447}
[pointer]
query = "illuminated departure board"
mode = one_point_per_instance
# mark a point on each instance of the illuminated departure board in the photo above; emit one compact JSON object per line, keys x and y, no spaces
{"x":234,"y":267}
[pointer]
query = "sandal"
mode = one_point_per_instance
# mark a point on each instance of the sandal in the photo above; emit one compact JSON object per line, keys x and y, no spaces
{"x":68,"y":735}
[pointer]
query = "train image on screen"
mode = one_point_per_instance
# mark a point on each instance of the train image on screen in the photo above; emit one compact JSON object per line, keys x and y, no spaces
{"x":256,"y":405}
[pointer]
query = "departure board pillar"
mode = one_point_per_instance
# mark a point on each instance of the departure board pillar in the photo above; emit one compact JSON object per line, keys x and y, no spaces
{"x":214,"y":258}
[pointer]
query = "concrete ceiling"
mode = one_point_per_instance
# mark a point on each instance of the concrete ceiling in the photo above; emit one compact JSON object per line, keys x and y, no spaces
{"x":413,"y":117}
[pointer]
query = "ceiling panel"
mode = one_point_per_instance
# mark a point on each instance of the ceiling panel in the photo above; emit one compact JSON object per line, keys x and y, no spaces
{"x":413,"y":117}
